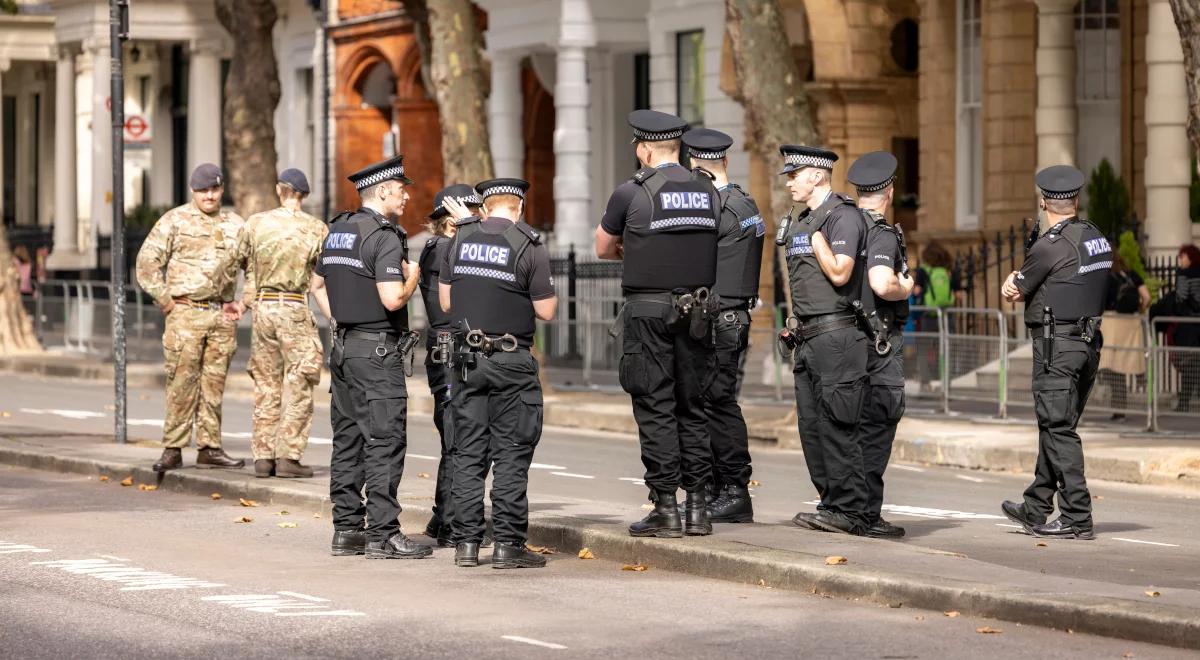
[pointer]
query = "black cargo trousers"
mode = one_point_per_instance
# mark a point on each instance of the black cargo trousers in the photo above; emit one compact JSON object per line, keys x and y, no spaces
{"x":883,"y":406}
{"x":831,"y":381}
{"x":439,"y":389}
{"x":1059,"y":395}
{"x":368,"y":412}
{"x":493,"y":420}
{"x":666,"y":373}
{"x":726,"y":425}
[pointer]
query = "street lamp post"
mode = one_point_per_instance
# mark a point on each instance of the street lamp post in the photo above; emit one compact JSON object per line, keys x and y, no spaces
{"x":118,"y":23}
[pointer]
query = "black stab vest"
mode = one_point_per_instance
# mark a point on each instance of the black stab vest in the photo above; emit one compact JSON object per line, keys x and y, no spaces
{"x":739,"y":251}
{"x":896,"y":309}
{"x":353,"y":296}
{"x":812,"y":293}
{"x":1080,"y":292}
{"x":486,"y":291}
{"x":677,"y":246}
{"x":430,"y":266}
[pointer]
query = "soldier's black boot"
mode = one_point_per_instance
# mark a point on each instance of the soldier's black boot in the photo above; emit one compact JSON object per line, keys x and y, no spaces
{"x":507,"y":555}
{"x":732,"y":506}
{"x":398,"y":546}
{"x":696,"y":521}
{"x":663,"y":521}
{"x":215,"y":457}
{"x":288,"y":468}
{"x":466,"y":555}
{"x":264,"y":467}
{"x":171,"y":459}
{"x":348,"y":542}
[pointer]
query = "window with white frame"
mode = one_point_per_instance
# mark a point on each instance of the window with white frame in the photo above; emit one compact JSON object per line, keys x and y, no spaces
{"x":689,"y":76}
{"x":969,"y":149}
{"x":1098,"y":83}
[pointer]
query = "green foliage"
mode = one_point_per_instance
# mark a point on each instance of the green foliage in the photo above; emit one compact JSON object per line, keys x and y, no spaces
{"x":9,"y":7}
{"x":1108,"y":199}
{"x":1127,"y":247}
{"x":143,"y":217}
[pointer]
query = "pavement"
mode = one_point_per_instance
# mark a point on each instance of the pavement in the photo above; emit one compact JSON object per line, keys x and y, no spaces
{"x":1137,"y":582}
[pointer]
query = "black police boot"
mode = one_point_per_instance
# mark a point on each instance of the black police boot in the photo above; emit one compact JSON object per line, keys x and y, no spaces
{"x":398,"y":546}
{"x":215,"y":457}
{"x":1016,"y":512}
{"x":466,"y":555}
{"x":348,"y":542}
{"x":836,"y":521}
{"x":434,"y":528}
{"x":508,"y":555}
{"x":732,"y":506}
{"x":264,"y":467}
{"x":1057,"y":529}
{"x":171,"y":459}
{"x":805,"y":519}
{"x":711,"y":493}
{"x":882,"y":529}
{"x":696,"y":521}
{"x":662,"y":522}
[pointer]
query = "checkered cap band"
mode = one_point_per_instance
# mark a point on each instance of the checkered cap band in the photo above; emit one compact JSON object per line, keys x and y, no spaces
{"x":1070,"y":194}
{"x":706,"y":155}
{"x":808,"y":161}
{"x":379,"y":177}
{"x":657,"y":137}
{"x":503,"y":190}
{"x":469,"y":200}
{"x":876,"y":187}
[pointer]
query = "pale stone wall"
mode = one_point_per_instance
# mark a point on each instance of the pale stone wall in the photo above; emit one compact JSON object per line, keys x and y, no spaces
{"x":936,"y":117}
{"x":1009,"y":102}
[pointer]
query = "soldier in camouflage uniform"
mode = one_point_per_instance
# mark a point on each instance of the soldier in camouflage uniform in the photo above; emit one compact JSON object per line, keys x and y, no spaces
{"x":188,"y":266}
{"x":278,"y":250}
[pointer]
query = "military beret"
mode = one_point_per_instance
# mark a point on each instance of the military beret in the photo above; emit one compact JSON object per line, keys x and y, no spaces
{"x":800,"y":156}
{"x":502,"y":187}
{"x":655,"y":126}
{"x":296,"y":179}
{"x":872,"y":172}
{"x":384,"y":170}
{"x":1059,"y":182}
{"x":205,"y":176}
{"x":707,"y":144}
{"x":462,"y":192}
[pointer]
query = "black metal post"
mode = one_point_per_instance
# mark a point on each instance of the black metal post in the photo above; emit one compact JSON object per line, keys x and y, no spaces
{"x":572,"y":310}
{"x":325,"y":201}
{"x":118,"y":24}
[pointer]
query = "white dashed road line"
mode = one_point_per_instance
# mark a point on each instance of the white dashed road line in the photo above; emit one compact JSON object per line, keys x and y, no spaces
{"x":112,"y":557}
{"x":907,"y":468}
{"x":534,"y":642}
{"x":545,"y":466}
{"x":974,"y":480}
{"x":1008,"y":525}
{"x":632,"y":480}
{"x":572,"y":475}
{"x":1165,"y":545}
{"x":423,"y":457}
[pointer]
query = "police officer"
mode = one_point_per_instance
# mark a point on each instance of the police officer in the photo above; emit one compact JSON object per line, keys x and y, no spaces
{"x":885,"y":298}
{"x":496,"y":278}
{"x":739,"y":255}
{"x":451,"y":204}
{"x":363,"y":282}
{"x":1064,"y":283}
{"x":663,"y":222}
{"x":824,"y":247}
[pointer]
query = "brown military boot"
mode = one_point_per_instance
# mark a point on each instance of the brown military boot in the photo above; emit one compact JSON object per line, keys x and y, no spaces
{"x":215,"y":457}
{"x":171,"y":459}
{"x":287,"y":468}
{"x":264,"y":467}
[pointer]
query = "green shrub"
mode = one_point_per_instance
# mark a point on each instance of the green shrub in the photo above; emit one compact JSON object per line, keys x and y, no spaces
{"x":1108,"y":199}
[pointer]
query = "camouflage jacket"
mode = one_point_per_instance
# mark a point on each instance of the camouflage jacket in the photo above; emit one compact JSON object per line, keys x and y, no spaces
{"x":190,"y":254}
{"x":278,"y":250}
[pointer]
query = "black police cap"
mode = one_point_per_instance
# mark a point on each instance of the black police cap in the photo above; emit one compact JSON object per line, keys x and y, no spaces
{"x":384,"y":170}
{"x":872,"y":172}
{"x":205,"y":176}
{"x":800,"y":156}
{"x":502,"y":187}
{"x":655,"y":126}
{"x":707,"y":144}
{"x":1059,"y":182}
{"x":295,"y":179}
{"x":462,"y":192}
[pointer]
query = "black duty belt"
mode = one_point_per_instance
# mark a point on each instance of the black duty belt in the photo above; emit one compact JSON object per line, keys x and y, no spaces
{"x":738,"y":304}
{"x":382,"y":336}
{"x":819,"y":325}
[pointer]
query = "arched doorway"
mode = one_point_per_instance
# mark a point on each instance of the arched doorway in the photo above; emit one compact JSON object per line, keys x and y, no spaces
{"x":364,"y":118}
{"x":538,"y":123}
{"x":420,"y":140}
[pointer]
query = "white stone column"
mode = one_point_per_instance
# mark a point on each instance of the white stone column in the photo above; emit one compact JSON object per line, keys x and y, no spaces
{"x":204,"y":104}
{"x":504,"y":115}
{"x":1168,"y":161}
{"x":572,"y":139}
{"x":4,"y":67}
{"x":101,"y":140}
{"x":65,"y":255}
{"x":162,"y":180}
{"x":1055,"y":117}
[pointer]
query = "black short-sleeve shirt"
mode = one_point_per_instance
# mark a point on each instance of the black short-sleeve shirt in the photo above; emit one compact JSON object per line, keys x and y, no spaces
{"x":533,"y":271}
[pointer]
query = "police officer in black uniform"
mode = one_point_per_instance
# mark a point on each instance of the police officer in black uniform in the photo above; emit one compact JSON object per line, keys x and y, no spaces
{"x":451,"y":204}
{"x":496,"y":278}
{"x":824,"y":249}
{"x":663,"y":222}
{"x":885,"y":300}
{"x":740,"y":233}
{"x":1064,"y":283}
{"x":365,"y":274}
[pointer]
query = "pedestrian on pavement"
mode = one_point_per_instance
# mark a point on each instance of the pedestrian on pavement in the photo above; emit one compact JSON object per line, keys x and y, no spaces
{"x":740,"y":234}
{"x":451,"y":204}
{"x":496,"y":279}
{"x":1186,"y":335}
{"x":363,"y":281}
{"x":936,"y":287}
{"x":1124,"y":338}
{"x":663,"y":223}
{"x":885,"y":299}
{"x":1064,"y":283}
{"x":824,"y":246}
{"x":278,"y":251}
{"x":188,"y":266}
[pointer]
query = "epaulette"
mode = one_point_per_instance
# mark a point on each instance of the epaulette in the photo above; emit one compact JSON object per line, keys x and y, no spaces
{"x":466,"y":221}
{"x":641,"y":176}
{"x":430,"y":242}
{"x":698,"y":172}
{"x":1055,"y":232}
{"x":530,"y":232}
{"x":341,"y":216}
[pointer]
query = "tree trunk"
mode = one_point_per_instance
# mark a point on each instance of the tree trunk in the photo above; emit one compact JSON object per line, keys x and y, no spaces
{"x":16,"y":328}
{"x":450,"y":41}
{"x":251,"y":96}
{"x":1187,"y":19}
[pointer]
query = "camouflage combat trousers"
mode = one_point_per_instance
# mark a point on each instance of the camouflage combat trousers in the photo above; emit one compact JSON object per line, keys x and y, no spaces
{"x":198,"y":345}
{"x":285,"y":363}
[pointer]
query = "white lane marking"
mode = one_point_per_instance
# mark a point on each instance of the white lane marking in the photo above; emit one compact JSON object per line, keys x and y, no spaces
{"x":974,"y":480}
{"x":572,"y":475}
{"x":1165,"y":545}
{"x":534,"y":642}
{"x":632,"y":480}
{"x":923,"y":512}
{"x":133,"y":579}
{"x":303,"y":596}
{"x":1008,"y":525}
{"x":545,"y":466}
{"x":316,"y":440}
{"x":145,"y":422}
{"x":423,"y":457}
{"x":70,"y":414}
{"x":278,"y":605}
{"x":237,"y":435}
{"x":112,"y":557}
{"x":907,"y":468}
{"x":7,"y":548}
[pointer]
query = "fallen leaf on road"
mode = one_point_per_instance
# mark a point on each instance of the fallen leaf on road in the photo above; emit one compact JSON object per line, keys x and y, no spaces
{"x":988,"y":630}
{"x":245,"y":502}
{"x":951,"y":613}
{"x":763,"y":583}
{"x":103,"y":478}
{"x":127,"y":481}
{"x":316,"y":515}
{"x":283,"y":513}
{"x":215,"y":496}
{"x":540,"y":549}
{"x":5,"y":414}
{"x":147,"y":487}
{"x":895,"y":605}
{"x":110,"y":407}
{"x":288,"y":525}
{"x":647,"y":507}
{"x":586,"y":554}
{"x":1153,"y":594}
{"x":422,"y":475}
{"x":835,"y":560}
{"x":639,"y":568}
{"x":919,"y":618}
{"x":755,"y":482}
{"x":1128,"y":655}
{"x":243,"y":519}
{"x":1040,"y":544}
{"x":1098,"y":497}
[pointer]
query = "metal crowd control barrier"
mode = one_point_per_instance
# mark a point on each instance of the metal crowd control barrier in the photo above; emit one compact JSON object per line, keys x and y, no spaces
{"x":975,"y":342}
{"x":1174,"y":368}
